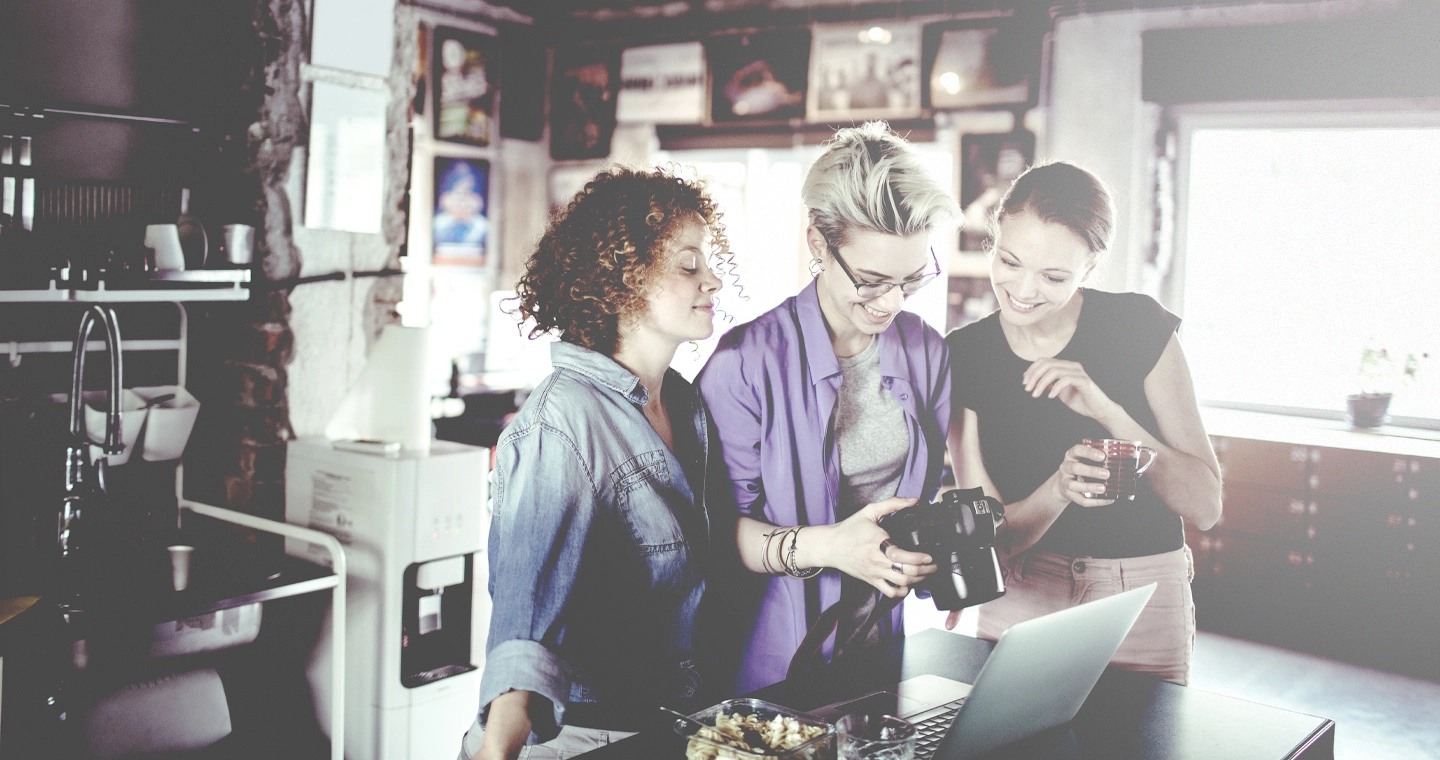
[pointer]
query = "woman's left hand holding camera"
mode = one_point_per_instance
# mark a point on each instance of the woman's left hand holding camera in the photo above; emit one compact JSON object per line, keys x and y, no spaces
{"x":860,"y":548}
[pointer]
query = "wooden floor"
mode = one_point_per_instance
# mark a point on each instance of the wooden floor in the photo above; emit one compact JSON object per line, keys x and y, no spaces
{"x":1377,"y":714}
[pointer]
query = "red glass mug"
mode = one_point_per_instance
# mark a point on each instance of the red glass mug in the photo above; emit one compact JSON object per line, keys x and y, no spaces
{"x":1123,"y":460}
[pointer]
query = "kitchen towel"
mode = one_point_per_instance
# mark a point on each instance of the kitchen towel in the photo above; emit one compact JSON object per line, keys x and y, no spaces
{"x":390,"y":401}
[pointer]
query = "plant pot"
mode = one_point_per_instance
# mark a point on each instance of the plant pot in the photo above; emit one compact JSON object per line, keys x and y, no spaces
{"x":1367,"y":410}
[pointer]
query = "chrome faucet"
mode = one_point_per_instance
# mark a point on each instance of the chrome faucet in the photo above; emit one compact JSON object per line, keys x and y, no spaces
{"x":84,"y":478}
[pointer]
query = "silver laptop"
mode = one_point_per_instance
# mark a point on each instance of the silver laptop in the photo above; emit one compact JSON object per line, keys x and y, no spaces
{"x":1037,"y":677}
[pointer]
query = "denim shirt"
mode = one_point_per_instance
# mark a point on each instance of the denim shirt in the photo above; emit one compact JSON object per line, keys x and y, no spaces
{"x":771,"y":385}
{"x":593,"y":580}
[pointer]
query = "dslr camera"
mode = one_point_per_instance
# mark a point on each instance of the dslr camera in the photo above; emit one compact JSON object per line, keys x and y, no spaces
{"x":958,"y":531}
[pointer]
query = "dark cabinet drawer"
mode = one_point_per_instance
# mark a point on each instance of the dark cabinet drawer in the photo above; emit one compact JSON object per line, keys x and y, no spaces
{"x":1339,"y":472}
{"x":1340,"y":520}
{"x":1421,"y":481}
{"x":1279,"y":466}
{"x":1241,"y":559}
{"x":1386,"y":574}
{"x":1262,"y":512}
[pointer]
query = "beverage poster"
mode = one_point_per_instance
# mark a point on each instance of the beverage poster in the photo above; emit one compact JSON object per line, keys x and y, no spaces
{"x":466,"y":77}
{"x":758,"y":77}
{"x":975,"y":66}
{"x":582,"y":102}
{"x":988,"y":164}
{"x":864,"y":72}
{"x":662,"y":84}
{"x":461,"y":223}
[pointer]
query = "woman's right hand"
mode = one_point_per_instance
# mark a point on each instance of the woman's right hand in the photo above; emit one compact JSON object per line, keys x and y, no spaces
{"x":860,"y":548}
{"x":1080,"y":462}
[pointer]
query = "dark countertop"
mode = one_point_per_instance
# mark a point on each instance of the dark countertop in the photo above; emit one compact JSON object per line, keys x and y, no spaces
{"x":137,"y":590}
{"x":1128,"y":715}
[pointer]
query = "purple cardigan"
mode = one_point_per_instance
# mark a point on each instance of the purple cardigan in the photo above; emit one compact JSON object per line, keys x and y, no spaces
{"x":771,"y":387}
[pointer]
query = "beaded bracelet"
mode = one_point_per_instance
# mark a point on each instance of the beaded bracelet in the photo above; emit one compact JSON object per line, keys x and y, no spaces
{"x":780,"y":551}
{"x":793,"y":570}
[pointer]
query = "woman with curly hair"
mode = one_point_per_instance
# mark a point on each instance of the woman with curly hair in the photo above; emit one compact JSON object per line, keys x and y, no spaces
{"x":832,"y":410}
{"x":600,"y":531}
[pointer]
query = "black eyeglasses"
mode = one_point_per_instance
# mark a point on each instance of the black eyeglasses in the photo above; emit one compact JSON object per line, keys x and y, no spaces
{"x":868,"y":290}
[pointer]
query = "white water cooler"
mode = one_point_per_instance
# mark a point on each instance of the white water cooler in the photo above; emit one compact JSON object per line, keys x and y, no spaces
{"x":411,"y":524}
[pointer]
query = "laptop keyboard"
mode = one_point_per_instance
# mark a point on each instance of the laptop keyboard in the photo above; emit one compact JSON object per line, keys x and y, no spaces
{"x":931,"y":727}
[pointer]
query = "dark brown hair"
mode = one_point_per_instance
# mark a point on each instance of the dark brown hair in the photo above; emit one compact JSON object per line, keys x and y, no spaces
{"x":1066,"y":195}
{"x":590,"y":268}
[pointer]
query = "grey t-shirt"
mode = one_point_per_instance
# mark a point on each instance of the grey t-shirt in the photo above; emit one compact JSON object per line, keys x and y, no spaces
{"x":874,"y":442}
{"x":871,"y":431}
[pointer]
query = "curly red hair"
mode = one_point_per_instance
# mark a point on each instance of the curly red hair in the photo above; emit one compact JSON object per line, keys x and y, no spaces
{"x":590,"y":268}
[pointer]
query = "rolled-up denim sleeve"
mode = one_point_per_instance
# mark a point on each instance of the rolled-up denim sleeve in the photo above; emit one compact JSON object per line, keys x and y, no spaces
{"x":545,"y":504}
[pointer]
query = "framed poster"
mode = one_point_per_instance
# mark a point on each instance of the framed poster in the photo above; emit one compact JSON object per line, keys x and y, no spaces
{"x":461,"y":225}
{"x":977,"y":63}
{"x":988,"y":164}
{"x":662,"y":84}
{"x":582,"y":102}
{"x":864,"y":72}
{"x":466,"y":66}
{"x":758,"y":77}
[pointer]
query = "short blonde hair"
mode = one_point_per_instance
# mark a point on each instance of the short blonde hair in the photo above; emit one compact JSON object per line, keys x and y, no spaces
{"x":871,"y":178}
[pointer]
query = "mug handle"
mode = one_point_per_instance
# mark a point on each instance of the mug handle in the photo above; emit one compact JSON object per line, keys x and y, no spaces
{"x":1142,"y":468}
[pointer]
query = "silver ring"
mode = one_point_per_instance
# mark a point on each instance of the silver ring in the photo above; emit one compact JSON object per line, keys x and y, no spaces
{"x":885,"y":545}
{"x":897,"y":567}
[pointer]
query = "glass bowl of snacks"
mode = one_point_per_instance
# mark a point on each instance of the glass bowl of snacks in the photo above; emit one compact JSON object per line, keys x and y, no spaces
{"x":749,"y":729}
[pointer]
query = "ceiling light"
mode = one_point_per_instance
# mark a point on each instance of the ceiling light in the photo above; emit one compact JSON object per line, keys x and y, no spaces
{"x":876,"y":34}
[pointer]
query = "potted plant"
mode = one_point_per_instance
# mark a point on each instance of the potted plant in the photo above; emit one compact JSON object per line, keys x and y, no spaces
{"x":1381,"y":373}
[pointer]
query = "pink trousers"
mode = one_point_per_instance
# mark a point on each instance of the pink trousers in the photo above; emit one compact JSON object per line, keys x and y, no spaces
{"x":1163,"y":639}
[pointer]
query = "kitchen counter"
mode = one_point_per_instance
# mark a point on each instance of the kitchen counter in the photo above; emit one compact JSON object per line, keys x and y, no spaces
{"x":1129,"y":715}
{"x":1309,"y":431}
{"x":141,"y":592}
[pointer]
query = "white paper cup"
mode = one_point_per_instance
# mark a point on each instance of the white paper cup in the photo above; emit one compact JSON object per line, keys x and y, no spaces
{"x":180,"y":565}
{"x":164,"y":240}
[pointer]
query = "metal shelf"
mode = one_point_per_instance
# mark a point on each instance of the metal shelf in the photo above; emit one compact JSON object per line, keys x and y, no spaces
{"x":164,"y":286}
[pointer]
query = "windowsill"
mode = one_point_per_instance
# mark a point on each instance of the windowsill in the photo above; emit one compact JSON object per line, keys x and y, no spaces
{"x":1309,"y":431}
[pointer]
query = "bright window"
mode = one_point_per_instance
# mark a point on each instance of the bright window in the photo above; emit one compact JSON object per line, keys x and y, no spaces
{"x":1302,"y":245}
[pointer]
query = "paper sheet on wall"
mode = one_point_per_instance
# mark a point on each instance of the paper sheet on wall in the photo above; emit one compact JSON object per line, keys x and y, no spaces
{"x":345,"y":174}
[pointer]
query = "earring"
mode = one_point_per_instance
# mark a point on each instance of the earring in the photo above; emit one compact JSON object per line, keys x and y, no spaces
{"x":815,"y":268}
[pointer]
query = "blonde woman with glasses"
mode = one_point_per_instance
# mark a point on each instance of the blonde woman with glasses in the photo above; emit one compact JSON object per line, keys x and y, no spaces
{"x":832,"y":410}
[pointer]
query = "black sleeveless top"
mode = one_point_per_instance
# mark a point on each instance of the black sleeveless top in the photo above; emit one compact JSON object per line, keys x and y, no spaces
{"x":1118,"y":339}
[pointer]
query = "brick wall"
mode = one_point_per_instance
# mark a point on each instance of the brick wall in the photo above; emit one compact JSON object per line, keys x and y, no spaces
{"x":276,"y":366}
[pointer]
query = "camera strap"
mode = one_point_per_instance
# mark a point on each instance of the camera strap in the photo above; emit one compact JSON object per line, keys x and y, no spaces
{"x":809,"y":655}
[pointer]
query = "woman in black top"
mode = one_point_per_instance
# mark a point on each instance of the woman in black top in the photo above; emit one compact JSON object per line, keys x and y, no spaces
{"x":1059,"y":363}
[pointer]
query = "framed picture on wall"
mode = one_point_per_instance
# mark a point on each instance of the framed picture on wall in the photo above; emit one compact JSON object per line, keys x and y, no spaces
{"x":864,"y":72}
{"x":466,"y":76}
{"x":461,"y":224}
{"x":988,"y":164}
{"x":758,"y":77}
{"x":662,"y":84}
{"x":974,"y":64}
{"x":582,"y":102}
